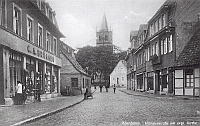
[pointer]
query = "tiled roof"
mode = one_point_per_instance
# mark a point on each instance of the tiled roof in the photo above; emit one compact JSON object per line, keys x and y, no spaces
{"x":73,"y":61}
{"x":191,"y":53}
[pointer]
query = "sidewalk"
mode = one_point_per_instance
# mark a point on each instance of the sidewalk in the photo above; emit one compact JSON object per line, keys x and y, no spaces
{"x":19,"y":114}
{"x":158,"y":96}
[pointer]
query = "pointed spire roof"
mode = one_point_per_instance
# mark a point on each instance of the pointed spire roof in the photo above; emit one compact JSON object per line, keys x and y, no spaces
{"x":104,"y":25}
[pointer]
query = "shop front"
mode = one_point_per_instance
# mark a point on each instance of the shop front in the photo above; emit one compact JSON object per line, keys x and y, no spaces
{"x":140,"y":82}
{"x":150,"y":81}
{"x":37,"y":69}
{"x":187,"y":82}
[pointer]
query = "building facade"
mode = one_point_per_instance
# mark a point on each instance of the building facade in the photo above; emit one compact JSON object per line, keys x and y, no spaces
{"x":131,"y":64}
{"x":74,"y":79}
{"x":118,"y":75}
{"x":169,"y":32}
{"x":29,"y":48}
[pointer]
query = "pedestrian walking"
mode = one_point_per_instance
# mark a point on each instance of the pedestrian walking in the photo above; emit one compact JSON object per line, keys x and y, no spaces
{"x":38,"y":92}
{"x":114,"y":87}
{"x":106,"y":87}
{"x":100,"y":88}
{"x":24,"y":93}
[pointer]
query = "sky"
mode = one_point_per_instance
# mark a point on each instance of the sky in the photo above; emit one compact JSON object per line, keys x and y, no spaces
{"x":79,"y":20}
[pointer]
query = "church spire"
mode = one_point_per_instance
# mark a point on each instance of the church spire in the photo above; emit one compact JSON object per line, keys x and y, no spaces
{"x":104,"y":25}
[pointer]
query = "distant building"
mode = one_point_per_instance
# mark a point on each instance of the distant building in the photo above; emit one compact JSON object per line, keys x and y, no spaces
{"x":104,"y":35}
{"x":73,"y":78}
{"x":118,"y":75}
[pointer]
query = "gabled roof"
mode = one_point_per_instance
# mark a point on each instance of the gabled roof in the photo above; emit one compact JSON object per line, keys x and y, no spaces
{"x":121,"y":61}
{"x":73,"y":61}
{"x":104,"y":25}
{"x":190,"y":55}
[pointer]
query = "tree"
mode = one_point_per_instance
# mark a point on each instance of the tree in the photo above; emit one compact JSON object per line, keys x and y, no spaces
{"x":100,"y":59}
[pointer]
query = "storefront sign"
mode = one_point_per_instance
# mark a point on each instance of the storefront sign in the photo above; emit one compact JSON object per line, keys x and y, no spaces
{"x":40,"y":53}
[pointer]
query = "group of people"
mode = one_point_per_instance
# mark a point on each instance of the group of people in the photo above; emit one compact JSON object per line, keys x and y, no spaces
{"x":22,"y":92}
{"x":100,"y":87}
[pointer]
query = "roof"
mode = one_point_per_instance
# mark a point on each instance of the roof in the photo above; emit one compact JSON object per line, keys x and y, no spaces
{"x":121,"y":61}
{"x":104,"y":25}
{"x":190,"y":55}
{"x":73,"y":61}
{"x":134,"y":33}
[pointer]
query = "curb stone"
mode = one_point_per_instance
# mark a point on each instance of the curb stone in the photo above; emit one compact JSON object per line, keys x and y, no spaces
{"x":157,"y":97}
{"x":45,"y":114}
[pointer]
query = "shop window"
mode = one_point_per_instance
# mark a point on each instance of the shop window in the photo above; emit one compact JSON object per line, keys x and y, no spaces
{"x":30,"y":28}
{"x":74,"y":82}
{"x":40,"y":75}
{"x":55,"y":80}
{"x":15,"y":66}
{"x":40,"y":35}
{"x":48,"y":82}
{"x":189,"y":76}
{"x":30,"y":75}
{"x":17,"y":19}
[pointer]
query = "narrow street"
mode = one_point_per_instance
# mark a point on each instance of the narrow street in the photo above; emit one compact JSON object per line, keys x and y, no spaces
{"x":107,"y":108}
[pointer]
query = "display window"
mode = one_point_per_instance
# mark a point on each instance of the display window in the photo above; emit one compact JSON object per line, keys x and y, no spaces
{"x":55,"y":80}
{"x":48,"y":79}
{"x":30,"y":76}
{"x":15,"y":65}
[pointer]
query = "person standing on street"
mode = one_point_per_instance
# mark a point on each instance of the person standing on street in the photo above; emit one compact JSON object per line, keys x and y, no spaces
{"x":19,"y":93}
{"x":114,"y":87}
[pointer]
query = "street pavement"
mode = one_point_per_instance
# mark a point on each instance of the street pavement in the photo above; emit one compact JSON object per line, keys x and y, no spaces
{"x":123,"y":108}
{"x":19,"y":114}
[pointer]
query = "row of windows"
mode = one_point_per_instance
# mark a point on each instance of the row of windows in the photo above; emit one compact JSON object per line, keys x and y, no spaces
{"x":119,"y":70}
{"x":165,"y":47}
{"x":51,"y":42}
{"x":158,"y":24}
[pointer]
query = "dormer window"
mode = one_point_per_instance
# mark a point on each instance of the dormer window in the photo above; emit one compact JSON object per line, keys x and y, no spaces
{"x":39,"y":4}
{"x":47,"y":11}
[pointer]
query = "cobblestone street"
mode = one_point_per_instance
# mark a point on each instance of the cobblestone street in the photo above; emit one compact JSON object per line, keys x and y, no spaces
{"x":107,"y":108}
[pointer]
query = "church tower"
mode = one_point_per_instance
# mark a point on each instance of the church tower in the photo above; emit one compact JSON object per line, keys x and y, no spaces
{"x":104,"y":35}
